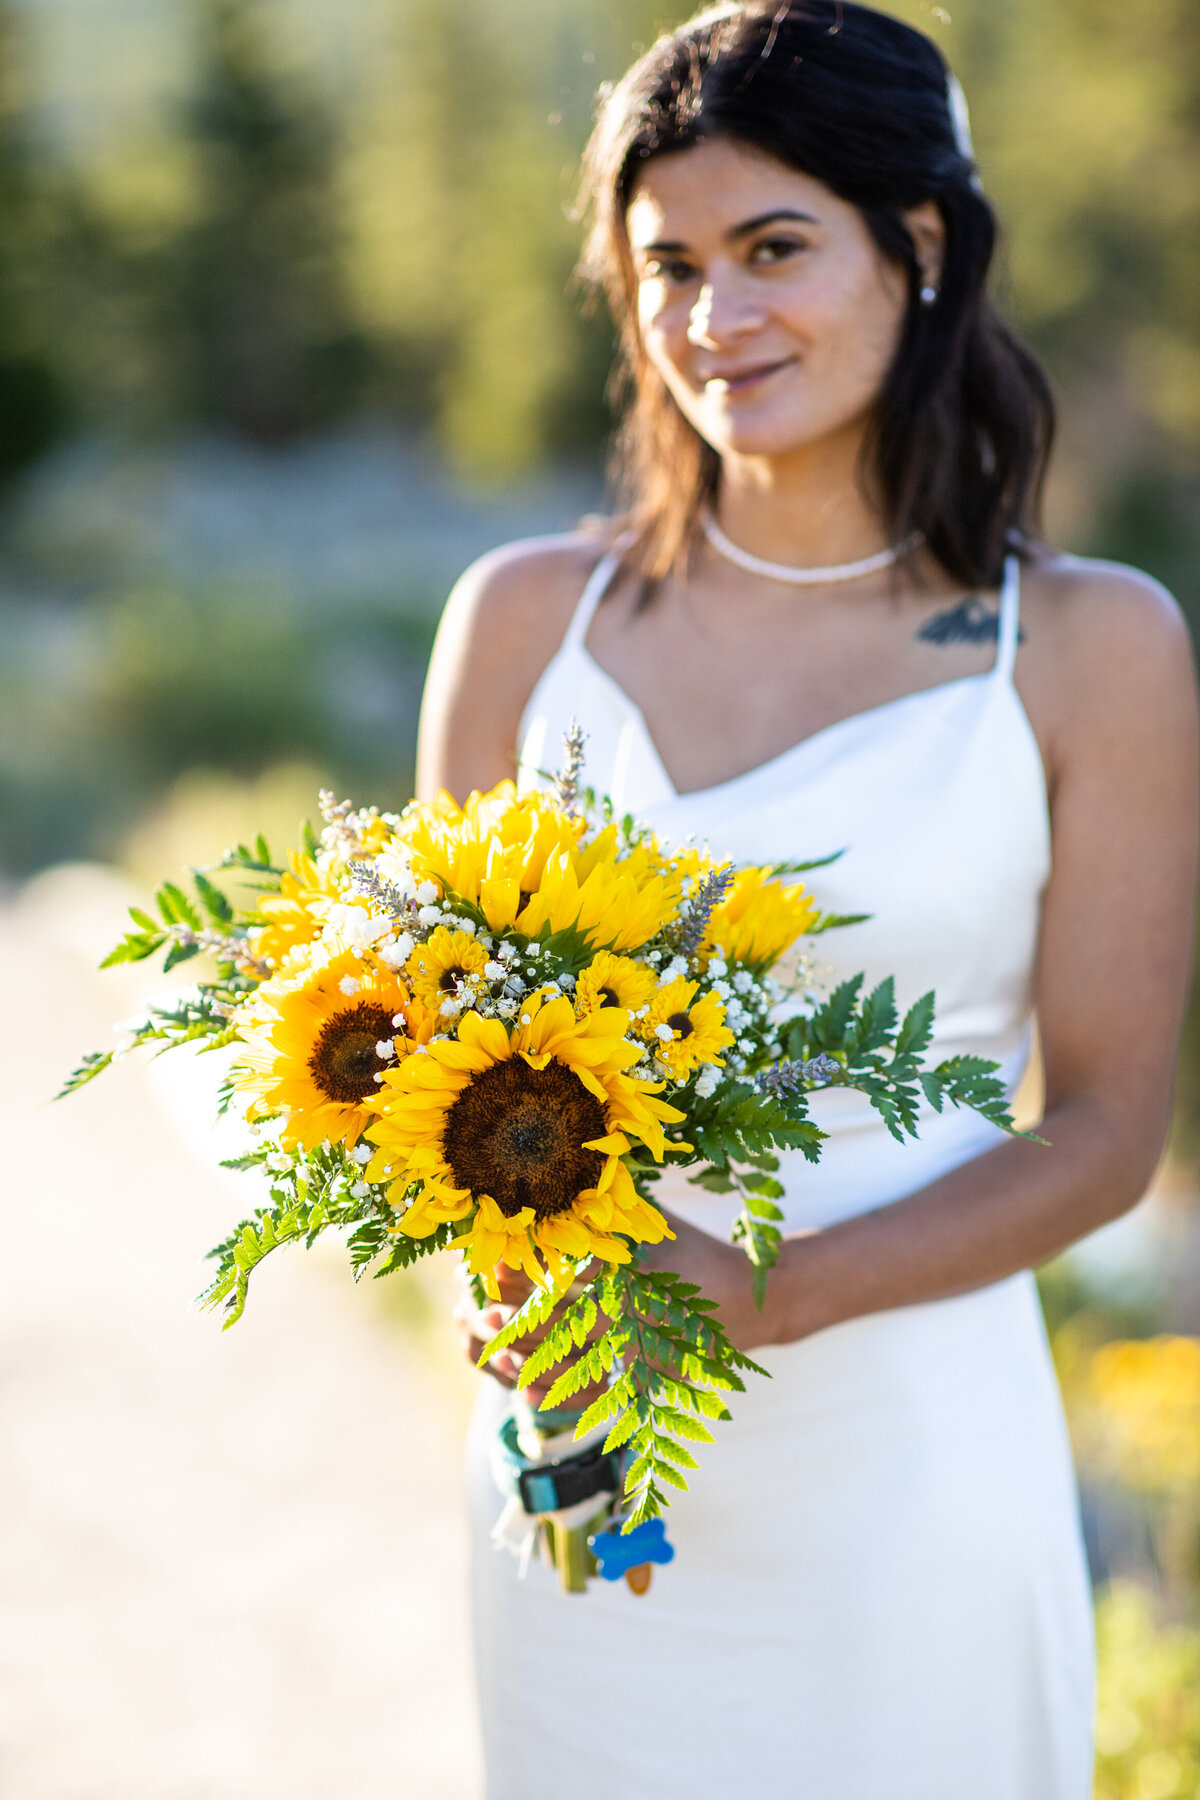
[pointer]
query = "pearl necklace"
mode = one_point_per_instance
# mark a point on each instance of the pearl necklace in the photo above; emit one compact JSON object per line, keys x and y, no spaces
{"x":756,"y":565}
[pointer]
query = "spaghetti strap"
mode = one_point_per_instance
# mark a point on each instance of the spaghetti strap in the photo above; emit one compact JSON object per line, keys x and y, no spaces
{"x":594,"y":591}
{"x":1009,"y":632}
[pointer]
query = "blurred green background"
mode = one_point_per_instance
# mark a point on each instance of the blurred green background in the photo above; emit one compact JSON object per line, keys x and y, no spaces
{"x":288,"y":336}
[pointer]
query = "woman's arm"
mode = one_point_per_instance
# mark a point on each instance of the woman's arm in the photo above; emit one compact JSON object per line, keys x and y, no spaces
{"x":1111,"y":984}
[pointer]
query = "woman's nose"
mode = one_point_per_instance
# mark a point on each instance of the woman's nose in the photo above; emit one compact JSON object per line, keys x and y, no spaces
{"x":722,"y":313}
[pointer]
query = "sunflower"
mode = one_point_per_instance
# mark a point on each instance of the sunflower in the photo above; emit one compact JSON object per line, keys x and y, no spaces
{"x":436,"y":967}
{"x":759,"y":919}
{"x":524,"y":1137}
{"x":492,"y":852}
{"x":518,"y":858}
{"x":606,"y":900}
{"x":685,"y":1035}
{"x":615,"y":981}
{"x":297,"y":913}
{"x":311,"y":1046}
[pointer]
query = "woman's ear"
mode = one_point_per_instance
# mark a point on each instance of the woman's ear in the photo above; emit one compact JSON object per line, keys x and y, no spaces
{"x":928,"y":231}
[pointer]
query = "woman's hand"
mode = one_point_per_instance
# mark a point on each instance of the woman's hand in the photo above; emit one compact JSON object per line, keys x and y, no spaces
{"x":477,"y":1326}
{"x":723,"y":1273}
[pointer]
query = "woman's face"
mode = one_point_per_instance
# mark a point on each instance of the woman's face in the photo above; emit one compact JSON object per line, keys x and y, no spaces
{"x":763,"y":301}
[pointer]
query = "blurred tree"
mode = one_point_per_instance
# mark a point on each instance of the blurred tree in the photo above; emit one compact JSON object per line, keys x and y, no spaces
{"x":459,"y":183}
{"x":1087,"y":125}
{"x":272,"y":347}
{"x":33,"y":400}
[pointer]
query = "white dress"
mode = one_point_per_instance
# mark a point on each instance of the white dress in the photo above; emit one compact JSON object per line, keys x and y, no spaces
{"x":879,"y":1591}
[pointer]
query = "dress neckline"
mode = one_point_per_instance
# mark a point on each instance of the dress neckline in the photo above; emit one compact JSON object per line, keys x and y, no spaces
{"x":783,"y":757}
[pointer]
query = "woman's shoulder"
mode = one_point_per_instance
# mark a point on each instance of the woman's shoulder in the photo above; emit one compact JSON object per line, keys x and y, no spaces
{"x":504,"y":621}
{"x":1101,"y":640}
{"x":529,"y":588}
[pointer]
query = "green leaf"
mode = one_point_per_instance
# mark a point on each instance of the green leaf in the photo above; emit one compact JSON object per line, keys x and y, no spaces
{"x":776,"y":870}
{"x":176,"y":908}
{"x":714,"y":1180}
{"x":215,"y":903}
{"x":917,"y":1029}
{"x":836,"y":922}
{"x":92,"y":1065}
{"x":179,"y":953}
{"x":877,"y":1018}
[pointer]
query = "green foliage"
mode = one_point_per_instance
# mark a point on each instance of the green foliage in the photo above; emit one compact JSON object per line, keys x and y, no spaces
{"x":737,"y":1124}
{"x":1148,"y":1711}
{"x":195,"y":1018}
{"x":757,"y":1228}
{"x":164,"y":680}
{"x":666,"y":1356}
{"x":185,"y":928}
{"x":883,"y":1058}
{"x":93,"y":1064}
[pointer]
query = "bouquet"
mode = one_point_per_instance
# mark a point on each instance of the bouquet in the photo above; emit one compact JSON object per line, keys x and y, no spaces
{"x":487,"y":1029}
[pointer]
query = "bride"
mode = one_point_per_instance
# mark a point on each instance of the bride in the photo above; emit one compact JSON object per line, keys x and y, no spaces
{"x":824,"y":621}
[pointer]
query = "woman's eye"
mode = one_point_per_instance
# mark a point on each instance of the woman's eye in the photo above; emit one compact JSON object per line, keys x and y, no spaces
{"x":665,"y":268}
{"x":773,"y":250}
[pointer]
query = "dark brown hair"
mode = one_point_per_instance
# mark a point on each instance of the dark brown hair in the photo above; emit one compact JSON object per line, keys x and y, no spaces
{"x":962,"y":427}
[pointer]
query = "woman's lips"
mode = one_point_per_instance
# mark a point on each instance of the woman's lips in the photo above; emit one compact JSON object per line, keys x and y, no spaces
{"x":739,"y":381}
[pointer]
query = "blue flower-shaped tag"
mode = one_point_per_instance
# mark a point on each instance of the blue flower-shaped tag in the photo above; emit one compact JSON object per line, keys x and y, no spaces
{"x":617,"y":1553}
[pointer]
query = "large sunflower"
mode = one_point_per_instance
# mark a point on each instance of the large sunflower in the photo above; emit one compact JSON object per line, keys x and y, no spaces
{"x":759,"y":919}
{"x":310,"y":1047}
{"x":524,"y":1136}
{"x":685,"y":1035}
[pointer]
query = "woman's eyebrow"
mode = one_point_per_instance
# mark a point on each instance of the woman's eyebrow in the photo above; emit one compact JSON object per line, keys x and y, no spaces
{"x":673,"y":246}
{"x":770,"y":218}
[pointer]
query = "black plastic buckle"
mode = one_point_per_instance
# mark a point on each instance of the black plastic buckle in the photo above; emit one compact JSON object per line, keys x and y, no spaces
{"x":553,"y":1486}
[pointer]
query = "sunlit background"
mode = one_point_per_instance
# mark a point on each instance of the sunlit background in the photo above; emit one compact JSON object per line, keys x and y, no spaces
{"x":287,"y":337}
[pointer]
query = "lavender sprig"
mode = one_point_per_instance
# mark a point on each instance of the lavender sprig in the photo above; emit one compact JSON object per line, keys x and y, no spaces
{"x":388,"y":895}
{"x":566,"y":782}
{"x":699,"y":916}
{"x":789,"y":1077}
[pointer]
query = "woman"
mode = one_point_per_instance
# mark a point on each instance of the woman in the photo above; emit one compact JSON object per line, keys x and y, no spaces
{"x":825,"y":622}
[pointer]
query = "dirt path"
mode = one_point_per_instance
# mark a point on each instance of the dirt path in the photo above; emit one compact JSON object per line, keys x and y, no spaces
{"x":230,"y":1565}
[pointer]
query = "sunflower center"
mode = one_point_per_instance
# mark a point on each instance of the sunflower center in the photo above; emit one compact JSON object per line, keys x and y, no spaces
{"x":518,"y":1133}
{"x":450,"y":980}
{"x":609,"y":997}
{"x":681,"y":1023}
{"x":343,"y":1063}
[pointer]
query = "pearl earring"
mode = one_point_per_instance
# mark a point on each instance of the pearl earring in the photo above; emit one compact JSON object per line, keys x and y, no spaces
{"x":928,"y":294}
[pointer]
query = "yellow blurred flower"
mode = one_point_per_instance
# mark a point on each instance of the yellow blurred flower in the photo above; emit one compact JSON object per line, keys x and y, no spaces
{"x":685,"y":1035}
{"x":524,"y":1136}
{"x":296,"y":915}
{"x":310,"y":1046}
{"x":759,"y":919}
{"x":1146,"y":1395}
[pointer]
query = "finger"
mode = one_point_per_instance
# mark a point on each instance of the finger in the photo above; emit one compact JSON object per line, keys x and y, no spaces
{"x":514,"y":1285}
{"x":498,"y":1367}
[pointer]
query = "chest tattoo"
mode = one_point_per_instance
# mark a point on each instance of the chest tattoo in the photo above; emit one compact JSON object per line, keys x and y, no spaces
{"x":969,"y":622}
